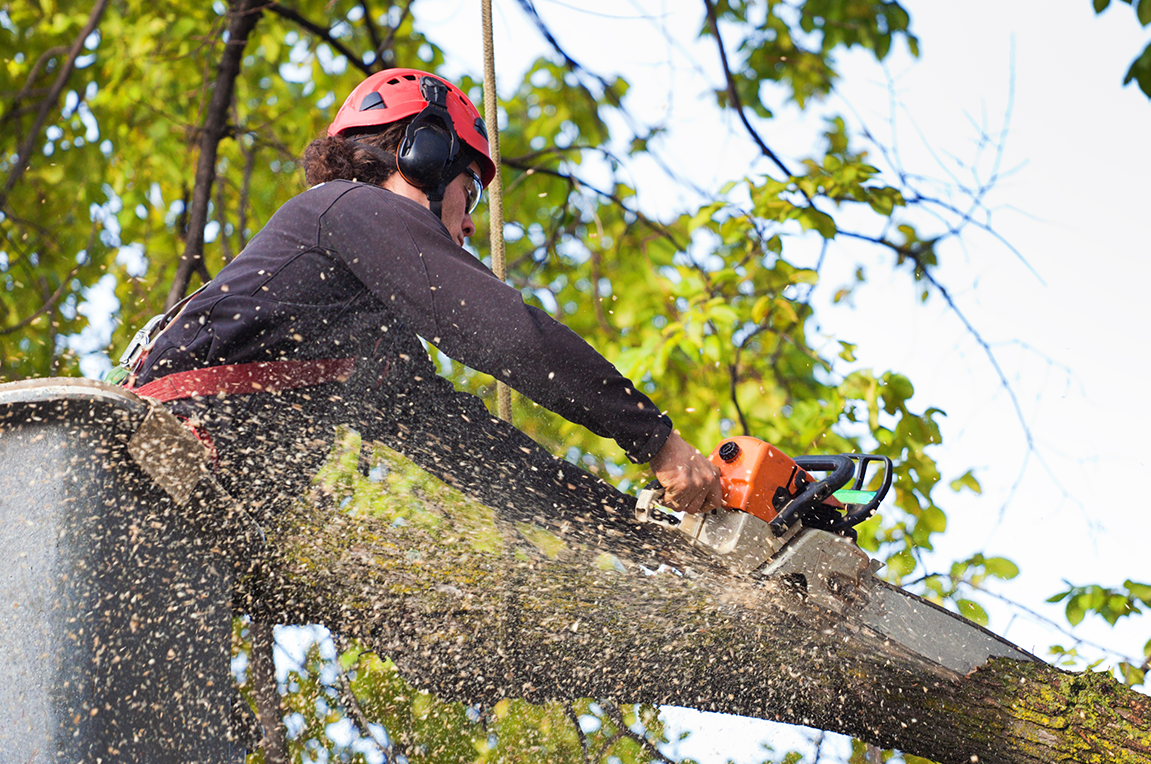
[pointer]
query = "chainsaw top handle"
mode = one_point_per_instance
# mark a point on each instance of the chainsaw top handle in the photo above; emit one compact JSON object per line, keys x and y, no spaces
{"x":857,"y":513}
{"x":841,"y":469}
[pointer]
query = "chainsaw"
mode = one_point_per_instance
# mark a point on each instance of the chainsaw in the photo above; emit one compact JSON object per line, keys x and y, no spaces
{"x":780,"y":521}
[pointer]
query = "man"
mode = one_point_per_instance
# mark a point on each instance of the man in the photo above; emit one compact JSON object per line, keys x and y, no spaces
{"x":318,"y":319}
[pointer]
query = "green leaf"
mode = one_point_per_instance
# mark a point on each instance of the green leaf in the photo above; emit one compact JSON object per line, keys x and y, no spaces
{"x":811,"y":218}
{"x":1101,"y":5}
{"x":1140,"y":71}
{"x":1133,"y":676}
{"x":967,"y":480}
{"x":1075,"y":611}
{"x":1001,"y":567}
{"x":1141,"y":592}
{"x":1143,"y":12}
{"x":972,"y":611}
{"x":900,"y":565}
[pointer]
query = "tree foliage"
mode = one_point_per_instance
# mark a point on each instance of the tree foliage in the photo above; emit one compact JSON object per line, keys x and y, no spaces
{"x":1140,"y":69}
{"x":108,"y":111}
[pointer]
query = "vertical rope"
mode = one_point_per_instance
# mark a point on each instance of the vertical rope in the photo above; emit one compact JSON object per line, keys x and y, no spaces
{"x":496,"y":189}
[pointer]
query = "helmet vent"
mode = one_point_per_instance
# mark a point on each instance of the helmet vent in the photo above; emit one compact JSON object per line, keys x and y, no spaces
{"x":373,"y":100}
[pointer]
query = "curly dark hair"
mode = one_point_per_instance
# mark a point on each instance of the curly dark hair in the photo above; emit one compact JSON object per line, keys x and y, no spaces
{"x":366,"y":157}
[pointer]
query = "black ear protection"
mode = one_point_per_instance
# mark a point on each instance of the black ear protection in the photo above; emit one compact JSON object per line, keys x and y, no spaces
{"x":430,"y":156}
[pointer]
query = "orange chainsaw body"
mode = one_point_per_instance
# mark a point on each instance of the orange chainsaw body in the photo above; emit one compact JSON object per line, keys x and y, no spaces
{"x":755,"y":473}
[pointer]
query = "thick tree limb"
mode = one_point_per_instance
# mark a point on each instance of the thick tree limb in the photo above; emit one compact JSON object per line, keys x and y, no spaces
{"x":244,"y":15}
{"x":546,"y":599}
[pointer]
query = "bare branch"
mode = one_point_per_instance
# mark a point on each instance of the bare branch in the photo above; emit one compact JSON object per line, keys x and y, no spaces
{"x":617,"y":716}
{"x":583,"y":741}
{"x":654,"y":225}
{"x":361,"y":720}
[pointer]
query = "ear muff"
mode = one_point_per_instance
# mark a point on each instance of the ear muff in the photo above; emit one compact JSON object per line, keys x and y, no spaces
{"x":431,"y":146}
{"x":426,"y":152}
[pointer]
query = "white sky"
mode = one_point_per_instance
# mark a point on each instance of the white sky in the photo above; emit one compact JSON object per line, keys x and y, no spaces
{"x":1072,"y":341}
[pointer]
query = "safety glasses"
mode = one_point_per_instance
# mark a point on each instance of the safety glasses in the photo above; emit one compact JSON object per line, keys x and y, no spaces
{"x":474,"y":189}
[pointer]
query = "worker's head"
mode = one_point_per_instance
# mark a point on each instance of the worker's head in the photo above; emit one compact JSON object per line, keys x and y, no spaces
{"x":408,"y":122}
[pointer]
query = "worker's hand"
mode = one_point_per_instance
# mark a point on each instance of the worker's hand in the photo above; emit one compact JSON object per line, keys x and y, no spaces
{"x":691,"y":482}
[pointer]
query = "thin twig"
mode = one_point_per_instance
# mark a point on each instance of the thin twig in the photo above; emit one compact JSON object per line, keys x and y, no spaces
{"x":48,"y":305}
{"x":617,"y":716}
{"x":583,"y":741}
{"x":733,"y":92}
{"x":322,"y":32}
{"x":24,"y":92}
{"x":24,"y":153}
{"x":388,"y":41}
{"x":361,"y":719}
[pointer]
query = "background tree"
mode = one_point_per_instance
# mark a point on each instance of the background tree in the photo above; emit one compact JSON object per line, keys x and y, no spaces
{"x":112,"y":115}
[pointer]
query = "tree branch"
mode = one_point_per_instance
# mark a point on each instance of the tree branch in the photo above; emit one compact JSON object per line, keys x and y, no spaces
{"x":269,"y":709}
{"x":48,"y":305}
{"x":323,"y":33}
{"x":617,"y":716}
{"x":244,"y":16}
{"x":733,"y":92}
{"x":386,"y":44}
{"x":14,"y":109}
{"x":24,"y":153}
{"x":561,"y":624}
{"x":373,"y":34}
{"x":655,"y":226}
{"x":361,"y":719}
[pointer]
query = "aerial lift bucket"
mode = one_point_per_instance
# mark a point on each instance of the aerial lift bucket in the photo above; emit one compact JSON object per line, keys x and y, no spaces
{"x":117,"y":556}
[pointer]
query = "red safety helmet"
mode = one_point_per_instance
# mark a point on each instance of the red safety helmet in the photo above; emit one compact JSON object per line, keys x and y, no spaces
{"x":393,"y":94}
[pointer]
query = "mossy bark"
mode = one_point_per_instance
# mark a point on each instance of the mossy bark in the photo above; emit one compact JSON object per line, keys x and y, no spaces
{"x":553,"y":595}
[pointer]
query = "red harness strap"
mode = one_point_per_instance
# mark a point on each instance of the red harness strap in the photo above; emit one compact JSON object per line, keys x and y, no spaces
{"x":241,"y":378}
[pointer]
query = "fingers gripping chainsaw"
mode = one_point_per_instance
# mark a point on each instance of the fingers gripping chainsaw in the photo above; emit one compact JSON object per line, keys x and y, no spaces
{"x":770,"y":498}
{"x":780,"y":521}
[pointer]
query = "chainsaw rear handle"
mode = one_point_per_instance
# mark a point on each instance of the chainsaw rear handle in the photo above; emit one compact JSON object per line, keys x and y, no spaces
{"x":863,"y":511}
{"x":841,"y":469}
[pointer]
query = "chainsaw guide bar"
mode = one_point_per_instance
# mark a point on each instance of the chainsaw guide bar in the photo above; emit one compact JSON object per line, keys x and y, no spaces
{"x":780,"y":523}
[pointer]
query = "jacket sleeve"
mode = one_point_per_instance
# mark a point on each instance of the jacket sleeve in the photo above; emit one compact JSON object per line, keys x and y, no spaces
{"x":405,"y":256}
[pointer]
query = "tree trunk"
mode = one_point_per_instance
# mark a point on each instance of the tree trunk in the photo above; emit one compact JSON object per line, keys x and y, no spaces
{"x":551,"y":597}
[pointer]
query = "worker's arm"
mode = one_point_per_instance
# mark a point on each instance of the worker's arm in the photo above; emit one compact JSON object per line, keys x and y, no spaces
{"x":404,"y":255}
{"x":691,"y":482}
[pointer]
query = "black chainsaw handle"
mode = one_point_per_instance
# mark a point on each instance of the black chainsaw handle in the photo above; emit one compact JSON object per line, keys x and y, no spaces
{"x":864,"y":511}
{"x":841,"y":469}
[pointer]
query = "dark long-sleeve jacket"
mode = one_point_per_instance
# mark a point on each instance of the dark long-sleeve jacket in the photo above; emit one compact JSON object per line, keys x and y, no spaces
{"x":345,"y":260}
